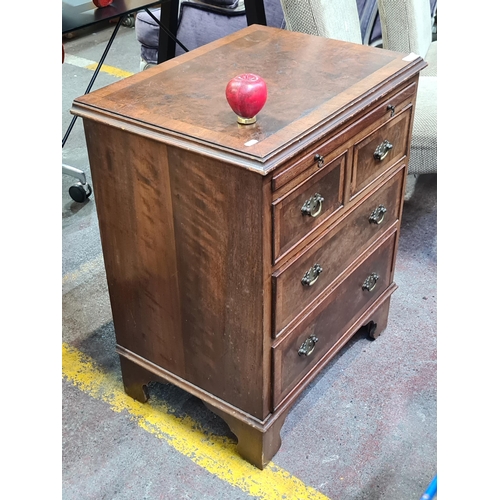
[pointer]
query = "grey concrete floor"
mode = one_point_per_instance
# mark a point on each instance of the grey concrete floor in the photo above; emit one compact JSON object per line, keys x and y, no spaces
{"x":364,"y":429}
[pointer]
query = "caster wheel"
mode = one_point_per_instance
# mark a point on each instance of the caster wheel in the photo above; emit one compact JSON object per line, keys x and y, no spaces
{"x":129,"y":22}
{"x":80,"y":192}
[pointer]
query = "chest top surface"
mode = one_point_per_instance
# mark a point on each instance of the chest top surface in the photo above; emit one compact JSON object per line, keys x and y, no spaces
{"x":312,"y":82}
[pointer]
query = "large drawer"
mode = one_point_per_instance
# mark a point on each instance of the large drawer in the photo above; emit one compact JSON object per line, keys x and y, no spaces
{"x":306,"y":207}
{"x":379,"y":151}
{"x":297,"y":354}
{"x":304,"y":279}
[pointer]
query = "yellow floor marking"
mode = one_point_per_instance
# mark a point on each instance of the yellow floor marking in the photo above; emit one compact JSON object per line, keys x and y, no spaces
{"x":85,"y":268}
{"x":214,"y":453}
{"x":110,"y":70}
{"x":81,"y":62}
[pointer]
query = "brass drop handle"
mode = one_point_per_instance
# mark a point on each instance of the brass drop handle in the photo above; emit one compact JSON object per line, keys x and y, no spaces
{"x":371,"y":282}
{"x":391,"y":108}
{"x":312,"y":207}
{"x":320,"y":159}
{"x":382,"y":150}
{"x":308,"y":346}
{"x":312,"y":275}
{"x":377,"y":216}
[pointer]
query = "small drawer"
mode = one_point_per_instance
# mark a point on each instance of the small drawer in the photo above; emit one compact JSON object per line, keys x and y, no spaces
{"x":305,"y":278}
{"x":307,"y":207}
{"x":299,"y":352}
{"x":379,"y":151}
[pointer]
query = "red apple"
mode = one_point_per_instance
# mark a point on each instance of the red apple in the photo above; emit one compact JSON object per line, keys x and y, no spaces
{"x":246,"y":94}
{"x":102,"y":3}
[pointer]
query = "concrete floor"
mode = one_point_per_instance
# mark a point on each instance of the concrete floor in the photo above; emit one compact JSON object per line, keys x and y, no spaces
{"x":365,"y":428}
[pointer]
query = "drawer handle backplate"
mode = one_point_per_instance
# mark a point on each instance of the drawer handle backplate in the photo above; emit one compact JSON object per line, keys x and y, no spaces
{"x":382,"y":150}
{"x":312,"y":275}
{"x":312,"y":207}
{"x":377,"y":216}
{"x":308,"y":346}
{"x":371,"y":282}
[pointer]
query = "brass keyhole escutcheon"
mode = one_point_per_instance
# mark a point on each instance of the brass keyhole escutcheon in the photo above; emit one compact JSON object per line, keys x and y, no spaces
{"x":382,"y":150}
{"x":308,"y":346}
{"x":371,"y":282}
{"x":312,"y":207}
{"x":320,"y":159}
{"x":377,"y":216}
{"x":312,"y":275}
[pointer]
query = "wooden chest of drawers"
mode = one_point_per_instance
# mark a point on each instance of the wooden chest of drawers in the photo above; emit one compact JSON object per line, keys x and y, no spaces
{"x":241,"y":258}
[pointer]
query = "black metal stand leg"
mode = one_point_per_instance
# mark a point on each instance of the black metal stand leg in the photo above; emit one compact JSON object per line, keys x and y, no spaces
{"x":169,"y":16}
{"x":94,"y":76}
{"x":166,"y":30}
{"x":255,"y":12}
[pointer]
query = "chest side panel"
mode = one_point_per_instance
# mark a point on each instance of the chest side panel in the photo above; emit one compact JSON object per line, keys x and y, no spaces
{"x":217,"y":216}
{"x":183,"y":260}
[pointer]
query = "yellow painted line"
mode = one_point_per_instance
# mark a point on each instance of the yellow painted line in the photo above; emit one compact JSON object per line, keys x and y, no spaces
{"x":81,"y":62}
{"x":215,"y":454}
{"x":85,"y":268}
{"x":110,"y":70}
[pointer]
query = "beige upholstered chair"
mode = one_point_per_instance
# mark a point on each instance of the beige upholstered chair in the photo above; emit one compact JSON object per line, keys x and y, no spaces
{"x":406,"y":27}
{"x":336,"y":19}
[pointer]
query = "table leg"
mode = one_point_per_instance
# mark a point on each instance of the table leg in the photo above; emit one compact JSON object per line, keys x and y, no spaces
{"x":135,"y":380}
{"x":94,"y":75}
{"x":256,"y":445}
{"x":378,"y":320}
{"x":255,"y":12}
{"x":169,"y":18}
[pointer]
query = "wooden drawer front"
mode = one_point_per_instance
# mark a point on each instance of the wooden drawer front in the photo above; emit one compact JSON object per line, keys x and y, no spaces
{"x":366,"y":167}
{"x":330,"y":320}
{"x":333,"y":253}
{"x":293,"y":220}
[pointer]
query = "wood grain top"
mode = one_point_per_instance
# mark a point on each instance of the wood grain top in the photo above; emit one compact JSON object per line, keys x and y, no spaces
{"x":313,"y":82}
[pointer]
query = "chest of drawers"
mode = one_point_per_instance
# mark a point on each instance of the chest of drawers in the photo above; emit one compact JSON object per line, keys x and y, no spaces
{"x":241,"y":258}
